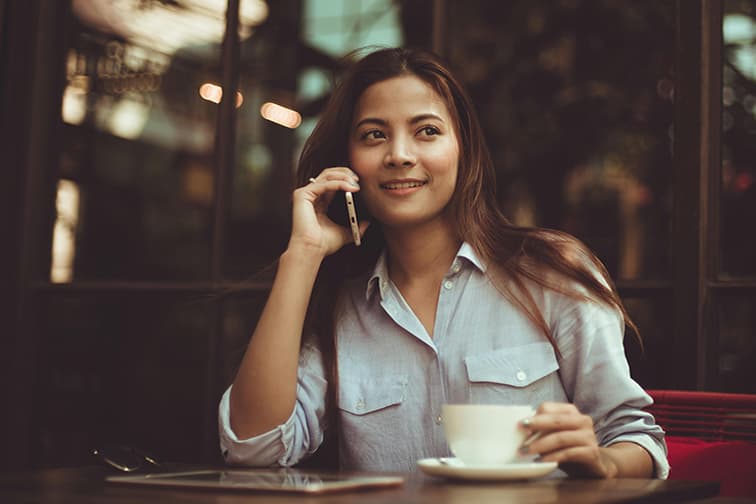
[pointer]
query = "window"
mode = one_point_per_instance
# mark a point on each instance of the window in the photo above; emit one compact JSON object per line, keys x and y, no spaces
{"x":731,"y":334}
{"x":146,"y":185}
{"x":577,"y":101}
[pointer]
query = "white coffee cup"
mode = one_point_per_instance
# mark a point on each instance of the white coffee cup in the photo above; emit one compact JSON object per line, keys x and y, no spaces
{"x":485,"y":434}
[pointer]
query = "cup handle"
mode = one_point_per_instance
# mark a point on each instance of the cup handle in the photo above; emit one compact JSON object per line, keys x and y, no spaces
{"x":531,"y":438}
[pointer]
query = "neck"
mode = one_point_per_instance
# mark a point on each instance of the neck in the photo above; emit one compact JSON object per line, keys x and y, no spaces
{"x":420,"y":254}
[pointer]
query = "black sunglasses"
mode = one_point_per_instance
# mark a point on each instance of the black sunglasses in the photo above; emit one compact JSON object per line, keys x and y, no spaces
{"x":125,"y":458}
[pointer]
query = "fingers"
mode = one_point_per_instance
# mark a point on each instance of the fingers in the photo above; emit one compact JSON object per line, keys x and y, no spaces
{"x":580,"y":461}
{"x":558,"y":432}
{"x":575,"y":454}
{"x":335,"y":178}
{"x":320,"y":190}
{"x":311,"y":224}
{"x":553,"y":442}
{"x":558,"y":416}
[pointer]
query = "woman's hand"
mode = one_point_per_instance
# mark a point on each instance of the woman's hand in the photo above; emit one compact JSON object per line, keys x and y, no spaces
{"x":311,"y":227}
{"x":567,"y":437}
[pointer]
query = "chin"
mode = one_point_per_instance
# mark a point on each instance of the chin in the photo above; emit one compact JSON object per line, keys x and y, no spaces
{"x":407,"y":221}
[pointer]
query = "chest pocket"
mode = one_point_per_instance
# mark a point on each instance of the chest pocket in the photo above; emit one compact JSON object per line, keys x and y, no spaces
{"x":362,"y":397}
{"x":517,"y":375}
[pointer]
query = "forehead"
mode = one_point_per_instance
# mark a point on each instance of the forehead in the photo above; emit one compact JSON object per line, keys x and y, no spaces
{"x":402,"y":95}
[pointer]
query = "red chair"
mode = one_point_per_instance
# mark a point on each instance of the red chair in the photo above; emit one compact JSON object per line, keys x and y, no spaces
{"x":710,"y":436}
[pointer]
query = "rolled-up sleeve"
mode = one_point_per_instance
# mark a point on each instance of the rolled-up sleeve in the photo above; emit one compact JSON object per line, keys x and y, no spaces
{"x":596,"y":375}
{"x":295,"y":439}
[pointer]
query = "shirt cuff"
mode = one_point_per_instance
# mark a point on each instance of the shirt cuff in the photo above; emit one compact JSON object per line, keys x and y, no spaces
{"x":264,"y":450}
{"x":657,"y":449}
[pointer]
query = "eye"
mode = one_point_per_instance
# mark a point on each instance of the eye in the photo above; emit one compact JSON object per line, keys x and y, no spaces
{"x":430,"y":130}
{"x":372,"y":135}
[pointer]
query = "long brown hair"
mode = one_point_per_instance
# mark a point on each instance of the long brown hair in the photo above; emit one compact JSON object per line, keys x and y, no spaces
{"x":516,"y":255}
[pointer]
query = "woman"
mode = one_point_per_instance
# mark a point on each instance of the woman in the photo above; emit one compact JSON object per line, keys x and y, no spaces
{"x":445,"y":301}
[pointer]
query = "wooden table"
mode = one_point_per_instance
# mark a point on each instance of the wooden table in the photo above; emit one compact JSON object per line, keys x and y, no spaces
{"x":87,"y":485}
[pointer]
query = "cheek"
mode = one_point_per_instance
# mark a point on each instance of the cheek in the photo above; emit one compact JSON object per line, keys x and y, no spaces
{"x":361,"y":161}
{"x":444,"y":161}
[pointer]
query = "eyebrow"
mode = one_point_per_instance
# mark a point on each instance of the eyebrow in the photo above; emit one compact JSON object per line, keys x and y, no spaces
{"x":414,"y":120}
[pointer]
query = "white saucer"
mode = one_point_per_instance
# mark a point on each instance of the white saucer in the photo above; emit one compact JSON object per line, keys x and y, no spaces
{"x":455,"y":469}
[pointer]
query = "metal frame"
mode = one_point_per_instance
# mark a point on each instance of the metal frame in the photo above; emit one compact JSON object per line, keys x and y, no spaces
{"x":28,"y":97}
{"x":691,"y":218}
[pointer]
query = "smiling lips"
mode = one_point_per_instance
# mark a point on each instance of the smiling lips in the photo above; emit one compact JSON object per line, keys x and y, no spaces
{"x":403,"y":184}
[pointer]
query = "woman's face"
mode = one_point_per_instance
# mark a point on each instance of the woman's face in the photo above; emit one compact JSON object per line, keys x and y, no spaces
{"x":404,"y":147}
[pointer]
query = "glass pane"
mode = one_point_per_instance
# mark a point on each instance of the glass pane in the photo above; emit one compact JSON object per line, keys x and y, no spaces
{"x":649,"y":365}
{"x":240,"y":314}
{"x":136,"y":174}
{"x":576,"y":99}
{"x":739,"y":138}
{"x":129,"y":369}
{"x":283,"y":68}
{"x":737,"y":344}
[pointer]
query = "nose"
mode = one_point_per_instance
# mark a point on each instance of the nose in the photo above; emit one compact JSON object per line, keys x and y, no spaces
{"x":400,"y":154}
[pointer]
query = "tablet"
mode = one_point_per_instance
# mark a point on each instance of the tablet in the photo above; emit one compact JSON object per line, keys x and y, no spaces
{"x":284,"y":480}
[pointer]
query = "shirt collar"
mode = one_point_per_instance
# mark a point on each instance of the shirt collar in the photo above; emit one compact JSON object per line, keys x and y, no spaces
{"x":380,"y":278}
{"x":466,"y":252}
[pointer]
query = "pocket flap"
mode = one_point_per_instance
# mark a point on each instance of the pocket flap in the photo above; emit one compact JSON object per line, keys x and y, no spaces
{"x":516,"y":366}
{"x":360,"y":397}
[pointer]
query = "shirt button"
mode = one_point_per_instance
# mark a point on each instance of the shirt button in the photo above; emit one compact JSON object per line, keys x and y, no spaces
{"x":438,"y":420}
{"x":360,"y":405}
{"x":521,"y":375}
{"x":448,"y":284}
{"x":456,"y":267}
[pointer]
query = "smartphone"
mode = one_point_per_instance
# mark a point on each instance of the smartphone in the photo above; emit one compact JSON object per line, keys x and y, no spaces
{"x":352,"y":218}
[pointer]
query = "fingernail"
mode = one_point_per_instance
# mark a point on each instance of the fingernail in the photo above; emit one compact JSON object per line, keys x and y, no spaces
{"x":524,"y":449}
{"x":355,"y":184}
{"x":526,"y":422}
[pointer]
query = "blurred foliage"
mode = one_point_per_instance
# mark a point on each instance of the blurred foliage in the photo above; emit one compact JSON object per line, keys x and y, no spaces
{"x":576,"y":100}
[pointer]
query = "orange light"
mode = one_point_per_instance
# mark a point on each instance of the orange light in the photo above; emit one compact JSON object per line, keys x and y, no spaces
{"x":280,"y":115}
{"x":211,"y":92}
{"x":214,"y":93}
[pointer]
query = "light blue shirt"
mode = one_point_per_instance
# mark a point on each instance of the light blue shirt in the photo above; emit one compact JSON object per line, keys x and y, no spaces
{"x":394,"y":376}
